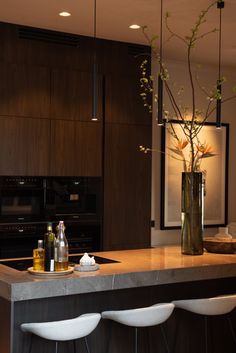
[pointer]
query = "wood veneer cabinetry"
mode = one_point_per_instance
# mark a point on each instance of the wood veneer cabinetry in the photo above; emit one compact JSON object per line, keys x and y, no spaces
{"x":127,"y":187}
{"x":45,"y":111}
{"x":123,"y":101}
{"x":24,"y":90}
{"x":75,"y":148}
{"x":24,"y":146}
{"x":71,"y":96}
{"x":127,"y":171}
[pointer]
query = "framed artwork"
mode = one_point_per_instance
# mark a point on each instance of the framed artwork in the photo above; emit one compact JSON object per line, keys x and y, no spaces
{"x":215,"y":177}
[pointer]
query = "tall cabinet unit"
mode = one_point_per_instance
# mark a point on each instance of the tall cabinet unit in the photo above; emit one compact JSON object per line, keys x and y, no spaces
{"x":127,"y":171}
{"x":46,"y":127}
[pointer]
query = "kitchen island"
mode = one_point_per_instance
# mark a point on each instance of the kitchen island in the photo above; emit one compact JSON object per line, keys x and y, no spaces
{"x":138,"y":278}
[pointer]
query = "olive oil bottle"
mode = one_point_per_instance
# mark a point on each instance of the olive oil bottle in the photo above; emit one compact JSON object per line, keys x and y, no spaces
{"x":49,"y":246}
{"x":38,"y":257}
{"x":61,"y":249}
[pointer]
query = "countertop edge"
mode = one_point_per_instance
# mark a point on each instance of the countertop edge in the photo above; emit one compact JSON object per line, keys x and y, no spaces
{"x":73,"y":285}
{"x":135,"y":268}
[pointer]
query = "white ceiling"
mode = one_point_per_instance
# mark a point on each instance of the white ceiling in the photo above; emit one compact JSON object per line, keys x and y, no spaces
{"x":114,"y":18}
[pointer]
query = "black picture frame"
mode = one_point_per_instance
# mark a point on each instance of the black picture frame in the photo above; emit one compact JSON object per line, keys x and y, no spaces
{"x":216,"y":199}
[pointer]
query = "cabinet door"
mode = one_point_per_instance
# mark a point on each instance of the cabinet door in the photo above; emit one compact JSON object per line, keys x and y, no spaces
{"x":127,"y":187}
{"x":75,"y":148}
{"x":123,"y":101}
{"x":72,"y":93}
{"x":24,"y":90}
{"x":24,"y":146}
{"x":88,"y":148}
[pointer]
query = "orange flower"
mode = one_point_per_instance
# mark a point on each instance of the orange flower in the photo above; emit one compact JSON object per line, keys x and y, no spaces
{"x":205,"y":149}
{"x":181,"y":144}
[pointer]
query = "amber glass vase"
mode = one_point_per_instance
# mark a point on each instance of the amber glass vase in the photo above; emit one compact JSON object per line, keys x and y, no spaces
{"x":192,"y":214}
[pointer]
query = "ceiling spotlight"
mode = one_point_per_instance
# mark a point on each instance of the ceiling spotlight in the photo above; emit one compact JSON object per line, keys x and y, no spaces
{"x":64,"y":14}
{"x":134,"y":26}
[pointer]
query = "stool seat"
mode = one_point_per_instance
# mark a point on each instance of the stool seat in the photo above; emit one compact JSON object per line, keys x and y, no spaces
{"x":64,"y":330}
{"x":141,"y":317}
{"x":208,"y":306}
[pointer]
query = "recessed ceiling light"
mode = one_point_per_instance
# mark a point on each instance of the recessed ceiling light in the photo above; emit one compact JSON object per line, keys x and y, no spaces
{"x":64,"y":14}
{"x":134,"y":26}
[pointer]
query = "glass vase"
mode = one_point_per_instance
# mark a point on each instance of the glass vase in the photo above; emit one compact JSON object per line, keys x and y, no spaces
{"x":192,"y":214}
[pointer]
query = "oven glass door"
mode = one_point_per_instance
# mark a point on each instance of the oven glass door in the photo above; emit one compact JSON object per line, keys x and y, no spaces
{"x":73,"y":197}
{"x":21,"y":205}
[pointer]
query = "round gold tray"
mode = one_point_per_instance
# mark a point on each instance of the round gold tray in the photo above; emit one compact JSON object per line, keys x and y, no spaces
{"x":50,"y":274}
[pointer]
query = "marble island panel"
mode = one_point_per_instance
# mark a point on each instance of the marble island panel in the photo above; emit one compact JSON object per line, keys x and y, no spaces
{"x":135,"y":268}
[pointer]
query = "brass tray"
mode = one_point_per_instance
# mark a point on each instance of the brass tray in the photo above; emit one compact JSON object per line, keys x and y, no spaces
{"x":50,"y":274}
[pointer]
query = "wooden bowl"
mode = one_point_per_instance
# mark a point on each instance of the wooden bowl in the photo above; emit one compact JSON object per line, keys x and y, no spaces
{"x":220,"y":246}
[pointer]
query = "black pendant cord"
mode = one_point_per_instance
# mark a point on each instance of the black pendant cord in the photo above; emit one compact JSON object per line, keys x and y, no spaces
{"x":94,"y":80}
{"x":220,"y":6}
{"x":160,"y":81}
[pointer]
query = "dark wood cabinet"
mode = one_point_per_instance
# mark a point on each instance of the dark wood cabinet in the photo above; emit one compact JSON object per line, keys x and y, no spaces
{"x":71,"y":96}
{"x":127,"y":171}
{"x":46,"y":128}
{"x":123,"y":101}
{"x":75,"y":148}
{"x":24,"y":90}
{"x":24,"y":146}
{"x":127,"y":187}
{"x":88,"y":148}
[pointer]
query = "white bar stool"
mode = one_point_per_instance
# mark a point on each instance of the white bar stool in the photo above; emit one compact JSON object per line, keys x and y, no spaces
{"x":142,"y":317}
{"x":64,"y":330}
{"x":221,"y":305}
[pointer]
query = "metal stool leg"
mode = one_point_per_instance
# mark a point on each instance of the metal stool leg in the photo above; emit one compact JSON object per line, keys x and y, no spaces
{"x":165,"y":339}
{"x":86,"y":343}
{"x":148,"y":339}
{"x":232,"y":329}
{"x":109,"y":337}
{"x":136,"y":340}
{"x":30,"y":343}
{"x":74,"y":345}
{"x":206,"y":335}
{"x":56,"y":347}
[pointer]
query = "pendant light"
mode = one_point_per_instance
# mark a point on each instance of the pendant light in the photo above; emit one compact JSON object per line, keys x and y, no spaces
{"x":220,"y":6}
{"x":94,"y":74}
{"x":160,"y":81}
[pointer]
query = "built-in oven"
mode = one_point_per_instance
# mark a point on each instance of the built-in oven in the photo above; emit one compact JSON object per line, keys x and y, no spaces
{"x":19,"y":240}
{"x":22,"y":199}
{"x":73,"y":198}
{"x":28,"y":203}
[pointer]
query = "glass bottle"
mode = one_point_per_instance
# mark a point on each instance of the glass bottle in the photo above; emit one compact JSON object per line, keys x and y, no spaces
{"x":49,"y":245}
{"x":38,"y":257}
{"x":61,"y":249}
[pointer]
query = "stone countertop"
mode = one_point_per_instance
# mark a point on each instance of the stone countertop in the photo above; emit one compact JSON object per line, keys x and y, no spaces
{"x":136,"y":268}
